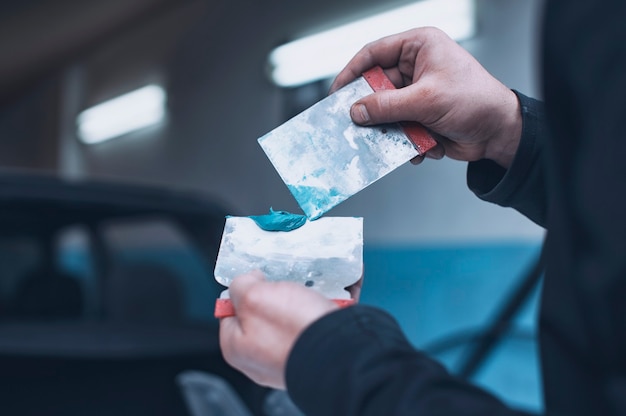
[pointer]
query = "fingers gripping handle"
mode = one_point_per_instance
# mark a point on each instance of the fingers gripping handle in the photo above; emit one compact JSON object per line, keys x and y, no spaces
{"x":224,"y":307}
{"x":421,"y":138}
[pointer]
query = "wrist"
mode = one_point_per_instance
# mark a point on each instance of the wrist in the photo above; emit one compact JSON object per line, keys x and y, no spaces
{"x":503,"y":146}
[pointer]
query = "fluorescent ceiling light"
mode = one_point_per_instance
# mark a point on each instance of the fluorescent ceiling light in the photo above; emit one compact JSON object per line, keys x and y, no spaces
{"x":324,"y":54}
{"x":129,"y":112}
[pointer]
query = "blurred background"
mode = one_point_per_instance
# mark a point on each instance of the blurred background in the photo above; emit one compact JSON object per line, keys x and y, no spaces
{"x":128,"y":131}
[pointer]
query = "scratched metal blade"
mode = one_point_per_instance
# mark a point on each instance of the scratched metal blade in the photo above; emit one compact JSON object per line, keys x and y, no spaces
{"x":324,"y":158}
{"x":325,"y":255}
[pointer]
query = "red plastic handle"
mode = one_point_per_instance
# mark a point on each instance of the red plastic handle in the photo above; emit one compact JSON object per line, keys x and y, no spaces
{"x":224,"y":307}
{"x":420,"y":137}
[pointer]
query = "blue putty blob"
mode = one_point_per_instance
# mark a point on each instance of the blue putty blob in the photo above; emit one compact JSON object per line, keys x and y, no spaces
{"x":279,"y":221}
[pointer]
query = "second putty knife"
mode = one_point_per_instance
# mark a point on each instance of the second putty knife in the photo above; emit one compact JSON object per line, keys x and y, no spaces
{"x":324,"y":158}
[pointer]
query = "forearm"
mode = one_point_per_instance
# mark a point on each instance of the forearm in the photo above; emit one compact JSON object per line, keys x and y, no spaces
{"x":357,"y":362}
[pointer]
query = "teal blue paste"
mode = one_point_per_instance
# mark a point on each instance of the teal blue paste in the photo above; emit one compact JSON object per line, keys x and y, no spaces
{"x":279,"y":221}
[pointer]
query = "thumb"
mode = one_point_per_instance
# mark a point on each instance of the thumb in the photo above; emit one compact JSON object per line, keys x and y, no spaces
{"x":387,"y":106}
{"x":242,"y":285}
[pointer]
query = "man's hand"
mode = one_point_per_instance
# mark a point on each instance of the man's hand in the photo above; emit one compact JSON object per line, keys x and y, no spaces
{"x":269,"y":318}
{"x":440,"y":85}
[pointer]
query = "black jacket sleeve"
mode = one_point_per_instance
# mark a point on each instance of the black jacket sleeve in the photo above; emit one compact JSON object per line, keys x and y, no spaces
{"x":357,"y":362}
{"x":523,"y":185}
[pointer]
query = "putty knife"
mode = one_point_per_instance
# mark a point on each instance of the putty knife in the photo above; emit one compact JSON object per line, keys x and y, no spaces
{"x":325,"y":255}
{"x":324,"y":158}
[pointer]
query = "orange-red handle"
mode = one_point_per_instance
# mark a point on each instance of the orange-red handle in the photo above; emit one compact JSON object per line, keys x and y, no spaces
{"x":224,"y":307}
{"x":420,"y":137}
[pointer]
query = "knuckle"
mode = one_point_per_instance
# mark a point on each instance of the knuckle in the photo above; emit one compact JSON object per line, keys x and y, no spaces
{"x":252,"y":298}
{"x":384,"y":103}
{"x":433,"y":32}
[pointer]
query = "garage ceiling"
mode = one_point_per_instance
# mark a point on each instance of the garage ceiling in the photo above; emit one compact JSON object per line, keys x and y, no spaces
{"x":119,"y":40}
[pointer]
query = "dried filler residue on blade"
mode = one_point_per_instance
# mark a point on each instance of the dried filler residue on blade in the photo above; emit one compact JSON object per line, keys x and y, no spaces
{"x":324,"y":158}
{"x":326,"y":255}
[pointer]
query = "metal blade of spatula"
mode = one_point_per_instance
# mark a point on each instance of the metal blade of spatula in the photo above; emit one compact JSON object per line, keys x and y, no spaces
{"x":324,"y":158}
{"x":324,"y":255}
